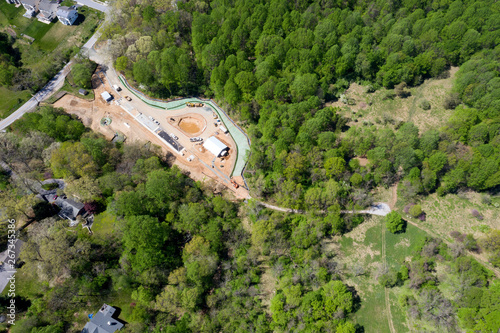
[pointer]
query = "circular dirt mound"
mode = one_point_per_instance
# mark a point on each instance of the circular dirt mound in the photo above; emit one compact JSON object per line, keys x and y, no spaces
{"x":191,"y":125}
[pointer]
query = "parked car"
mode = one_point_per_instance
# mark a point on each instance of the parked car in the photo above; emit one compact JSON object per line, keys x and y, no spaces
{"x":174,"y":136}
{"x":128,"y":98}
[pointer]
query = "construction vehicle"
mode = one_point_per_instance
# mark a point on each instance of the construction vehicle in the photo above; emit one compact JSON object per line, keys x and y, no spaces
{"x":235,"y":184}
{"x":191,"y":105}
{"x":198,"y":104}
{"x":215,"y":115}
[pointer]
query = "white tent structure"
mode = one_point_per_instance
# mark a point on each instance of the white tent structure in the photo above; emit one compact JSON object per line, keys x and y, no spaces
{"x":215,"y":146}
{"x":106,"y":96}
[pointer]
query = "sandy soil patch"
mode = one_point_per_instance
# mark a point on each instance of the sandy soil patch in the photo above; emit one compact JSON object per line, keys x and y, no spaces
{"x":362,"y":161}
{"x":191,"y":124}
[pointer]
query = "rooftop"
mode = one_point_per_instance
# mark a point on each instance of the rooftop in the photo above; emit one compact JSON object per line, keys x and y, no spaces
{"x":103,"y":321}
{"x":65,"y":12}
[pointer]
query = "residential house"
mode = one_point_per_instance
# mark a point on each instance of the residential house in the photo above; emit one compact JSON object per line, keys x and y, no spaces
{"x":31,"y":7}
{"x":48,"y":10}
{"x":67,"y":15}
{"x":103,"y":321}
{"x":70,"y":209}
{"x":15,"y":2}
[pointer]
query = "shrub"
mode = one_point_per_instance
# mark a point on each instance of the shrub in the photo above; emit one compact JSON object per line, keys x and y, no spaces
{"x":404,"y":273}
{"x":471,"y":243}
{"x":408,"y":207}
{"x":425,"y":105}
{"x":387,"y":119}
{"x":344,"y":99}
{"x":455,"y":234}
{"x":495,"y":259}
{"x":486,"y":199}
{"x":388,"y":280}
{"x":451,"y":101}
{"x":422,"y":217}
{"x":415,"y":211}
{"x":389,"y":95}
{"x":401,"y":90}
{"x":476,"y":214}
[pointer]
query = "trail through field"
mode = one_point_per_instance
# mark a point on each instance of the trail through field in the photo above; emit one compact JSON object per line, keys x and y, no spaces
{"x":394,"y":198}
{"x":387,"y":302}
{"x":379,"y":208}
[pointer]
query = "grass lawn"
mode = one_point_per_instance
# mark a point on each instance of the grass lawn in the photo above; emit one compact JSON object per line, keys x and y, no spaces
{"x":10,"y":15}
{"x":58,"y":33}
{"x":401,"y":246}
{"x":105,"y":224}
{"x":453,"y":212}
{"x":364,"y":246}
{"x":37,"y":30}
{"x":9,"y":12}
{"x":11,"y":100}
{"x":371,"y":314}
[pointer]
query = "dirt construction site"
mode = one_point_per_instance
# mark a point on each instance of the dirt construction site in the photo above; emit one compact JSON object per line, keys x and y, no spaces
{"x":192,"y":133}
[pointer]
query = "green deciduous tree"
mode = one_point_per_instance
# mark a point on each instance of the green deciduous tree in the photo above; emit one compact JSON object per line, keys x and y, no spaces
{"x":394,"y":222}
{"x":144,"y":241}
{"x":82,"y":73}
{"x":334,"y":166}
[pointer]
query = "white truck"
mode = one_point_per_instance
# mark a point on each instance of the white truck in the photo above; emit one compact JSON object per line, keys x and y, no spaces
{"x":116,"y":87}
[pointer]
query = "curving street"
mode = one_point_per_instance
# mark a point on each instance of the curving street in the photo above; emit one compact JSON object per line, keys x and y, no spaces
{"x":57,"y":81}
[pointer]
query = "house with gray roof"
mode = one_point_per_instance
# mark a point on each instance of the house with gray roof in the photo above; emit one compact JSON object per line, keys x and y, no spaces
{"x":103,"y":321}
{"x":67,"y":15}
{"x":48,"y":10}
{"x":70,"y":209}
{"x":14,"y":2}
{"x":31,"y":7}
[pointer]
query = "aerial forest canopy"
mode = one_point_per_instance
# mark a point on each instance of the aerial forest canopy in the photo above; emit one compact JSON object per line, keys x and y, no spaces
{"x":275,"y":64}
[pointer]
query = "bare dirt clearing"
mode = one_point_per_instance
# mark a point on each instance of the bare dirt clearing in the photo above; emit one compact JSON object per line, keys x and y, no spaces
{"x":121,"y":117}
{"x":192,"y":125}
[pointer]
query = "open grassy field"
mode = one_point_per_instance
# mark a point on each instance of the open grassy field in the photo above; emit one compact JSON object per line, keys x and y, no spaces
{"x":374,"y":108}
{"x":11,"y":100}
{"x":9,"y":14}
{"x":367,"y":249}
{"x":453,"y":212}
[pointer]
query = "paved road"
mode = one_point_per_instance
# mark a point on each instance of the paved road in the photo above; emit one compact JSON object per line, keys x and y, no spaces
{"x":6,"y":271}
{"x":96,"y":5}
{"x":52,"y":86}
